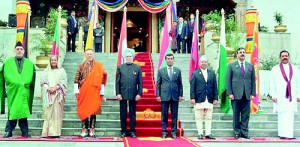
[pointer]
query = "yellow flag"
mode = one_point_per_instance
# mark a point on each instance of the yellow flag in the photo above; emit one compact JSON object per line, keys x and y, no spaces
{"x":90,"y":40}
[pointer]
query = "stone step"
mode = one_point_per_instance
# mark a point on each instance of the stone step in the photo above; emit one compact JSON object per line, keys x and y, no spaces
{"x":36,"y":131}
{"x":224,"y":124}
{"x":229,"y":132}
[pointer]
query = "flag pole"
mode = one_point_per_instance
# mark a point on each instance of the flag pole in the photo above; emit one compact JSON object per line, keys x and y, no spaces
{"x":59,"y":25}
{"x":28,"y":34}
{"x":197,"y":20}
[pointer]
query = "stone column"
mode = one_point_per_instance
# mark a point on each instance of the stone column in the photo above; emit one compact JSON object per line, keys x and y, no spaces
{"x":107,"y":34}
{"x":154,"y":34}
{"x":240,"y":14}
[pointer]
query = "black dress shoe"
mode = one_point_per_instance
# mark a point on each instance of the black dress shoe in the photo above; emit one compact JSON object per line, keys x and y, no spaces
{"x":26,"y":135}
{"x":210,"y":137}
{"x":132,"y":135}
{"x":174,"y":136}
{"x":123,"y":135}
{"x":7,"y":135}
{"x":236,"y":136}
{"x":245,"y":136}
{"x":200,"y":137}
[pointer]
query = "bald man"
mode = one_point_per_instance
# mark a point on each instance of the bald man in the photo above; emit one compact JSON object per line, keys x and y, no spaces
{"x":128,"y":89}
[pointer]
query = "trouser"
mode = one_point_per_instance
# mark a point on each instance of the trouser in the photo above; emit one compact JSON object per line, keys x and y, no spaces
{"x":86,"y":124}
{"x":189,"y":42}
{"x":132,"y":115}
{"x":241,"y":115}
{"x":179,"y":42}
{"x":11,"y":125}
{"x":98,"y":47}
{"x":206,"y":115}
{"x":286,"y":124}
{"x":84,"y":42}
{"x":73,"y":38}
{"x":164,"y":116}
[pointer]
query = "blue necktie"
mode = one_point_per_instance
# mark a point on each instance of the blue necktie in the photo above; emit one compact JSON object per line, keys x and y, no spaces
{"x":170,"y":73}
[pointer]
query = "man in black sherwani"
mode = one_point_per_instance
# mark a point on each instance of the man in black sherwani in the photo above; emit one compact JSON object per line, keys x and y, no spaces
{"x":128,"y":89}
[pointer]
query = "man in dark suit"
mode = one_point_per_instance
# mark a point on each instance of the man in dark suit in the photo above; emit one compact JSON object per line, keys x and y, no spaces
{"x":204,"y":95}
{"x":190,"y":32}
{"x":240,"y":87}
{"x":128,"y":89}
{"x":181,"y":35}
{"x":98,"y":34}
{"x":169,"y":91}
{"x":72,"y":31}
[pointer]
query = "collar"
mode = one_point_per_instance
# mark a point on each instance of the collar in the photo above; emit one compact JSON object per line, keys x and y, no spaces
{"x":203,"y":70}
{"x":241,"y":62}
{"x":169,"y":67}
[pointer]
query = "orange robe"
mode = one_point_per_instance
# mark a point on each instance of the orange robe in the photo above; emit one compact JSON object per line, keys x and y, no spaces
{"x":88,"y":99}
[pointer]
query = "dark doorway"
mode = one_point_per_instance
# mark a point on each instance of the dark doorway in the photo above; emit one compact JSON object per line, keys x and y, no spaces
{"x":137,"y":30}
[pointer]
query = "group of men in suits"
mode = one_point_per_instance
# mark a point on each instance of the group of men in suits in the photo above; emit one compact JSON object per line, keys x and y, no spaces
{"x":240,"y":88}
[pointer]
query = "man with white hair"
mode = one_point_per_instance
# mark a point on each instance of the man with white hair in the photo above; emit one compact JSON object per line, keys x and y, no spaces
{"x":203,"y":92}
{"x":285,"y":94}
{"x":129,"y":89}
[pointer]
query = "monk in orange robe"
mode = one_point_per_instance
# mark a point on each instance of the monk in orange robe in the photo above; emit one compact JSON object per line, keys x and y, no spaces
{"x":89,"y":79}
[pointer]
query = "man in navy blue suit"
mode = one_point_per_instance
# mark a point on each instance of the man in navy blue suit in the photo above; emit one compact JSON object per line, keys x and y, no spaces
{"x":169,"y":91}
{"x":203,"y":96}
{"x":72,"y":31}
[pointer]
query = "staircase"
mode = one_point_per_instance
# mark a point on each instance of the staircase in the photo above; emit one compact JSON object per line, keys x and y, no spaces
{"x":108,"y":124}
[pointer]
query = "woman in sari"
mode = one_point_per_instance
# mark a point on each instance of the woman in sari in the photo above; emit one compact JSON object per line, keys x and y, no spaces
{"x":54,"y":88}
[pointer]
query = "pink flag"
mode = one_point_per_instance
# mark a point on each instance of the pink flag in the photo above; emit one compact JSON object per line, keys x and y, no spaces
{"x":194,"y":51}
{"x":123,"y":40}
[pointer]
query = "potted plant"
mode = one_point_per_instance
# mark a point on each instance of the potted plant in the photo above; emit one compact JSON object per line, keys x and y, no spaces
{"x":3,"y":23}
{"x":42,"y":44}
{"x":51,"y":21}
{"x":213,"y":22}
{"x":263,"y":29}
{"x":279,"y":27}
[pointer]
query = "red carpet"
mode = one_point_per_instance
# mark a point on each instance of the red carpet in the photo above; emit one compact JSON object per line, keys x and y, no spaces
{"x":148,"y":123}
{"x":158,"y":142}
{"x":64,"y":139}
{"x":251,"y":140}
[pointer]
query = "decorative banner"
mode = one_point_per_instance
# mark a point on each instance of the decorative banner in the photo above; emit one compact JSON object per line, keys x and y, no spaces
{"x":252,"y":47}
{"x":122,"y":46}
{"x":154,"y":7}
{"x":112,"y":6}
{"x":21,"y":11}
{"x":250,"y":25}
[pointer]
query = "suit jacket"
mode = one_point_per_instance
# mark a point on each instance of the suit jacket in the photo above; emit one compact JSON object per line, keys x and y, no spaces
{"x":129,"y":81}
{"x":167,"y":88}
{"x":98,"y":33}
{"x":71,"y":24}
{"x":184,"y":31}
{"x":191,"y":26}
{"x":237,"y":83}
{"x":200,"y":89}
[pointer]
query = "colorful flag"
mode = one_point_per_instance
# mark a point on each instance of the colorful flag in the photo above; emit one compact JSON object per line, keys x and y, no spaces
{"x":254,"y":48}
{"x":55,"y":44}
{"x":174,"y":12}
{"x":122,"y":46}
{"x":94,"y":5}
{"x":90,"y":40}
{"x":225,"y":102}
{"x":165,"y":47}
{"x":194,"y":51}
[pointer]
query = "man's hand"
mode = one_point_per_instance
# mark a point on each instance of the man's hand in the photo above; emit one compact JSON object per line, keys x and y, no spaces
{"x":158,"y":99}
{"x":251,"y":97}
{"x":231,"y":97}
{"x":76,"y":94}
{"x":185,"y":38}
{"x":274,"y":100}
{"x":298,"y":99}
{"x":69,"y":33}
{"x":119,"y":97}
{"x":193,"y":101}
{"x":180,"y":98}
{"x":215,"y":102}
{"x":137,"y":97}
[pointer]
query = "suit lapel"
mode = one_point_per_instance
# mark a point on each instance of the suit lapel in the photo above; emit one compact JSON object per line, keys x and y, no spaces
{"x":167,"y":74}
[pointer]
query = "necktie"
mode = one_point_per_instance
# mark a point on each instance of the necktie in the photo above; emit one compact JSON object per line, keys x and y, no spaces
{"x":170,"y":73}
{"x":243,"y":69}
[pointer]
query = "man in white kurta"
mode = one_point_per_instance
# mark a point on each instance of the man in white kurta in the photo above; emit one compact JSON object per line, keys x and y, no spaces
{"x":284,"y":88}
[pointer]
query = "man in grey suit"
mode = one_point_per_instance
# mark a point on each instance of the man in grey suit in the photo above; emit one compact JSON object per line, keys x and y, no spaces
{"x":98,"y":34}
{"x":204,"y":95}
{"x":181,"y":35}
{"x":240,"y":87}
{"x":128,"y":89}
{"x":169,"y":91}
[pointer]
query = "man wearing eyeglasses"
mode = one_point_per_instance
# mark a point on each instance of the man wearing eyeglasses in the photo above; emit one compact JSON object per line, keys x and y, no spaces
{"x":240,"y":88}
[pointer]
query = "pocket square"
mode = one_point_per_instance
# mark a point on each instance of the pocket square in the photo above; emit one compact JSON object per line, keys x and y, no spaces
{"x":250,"y":69}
